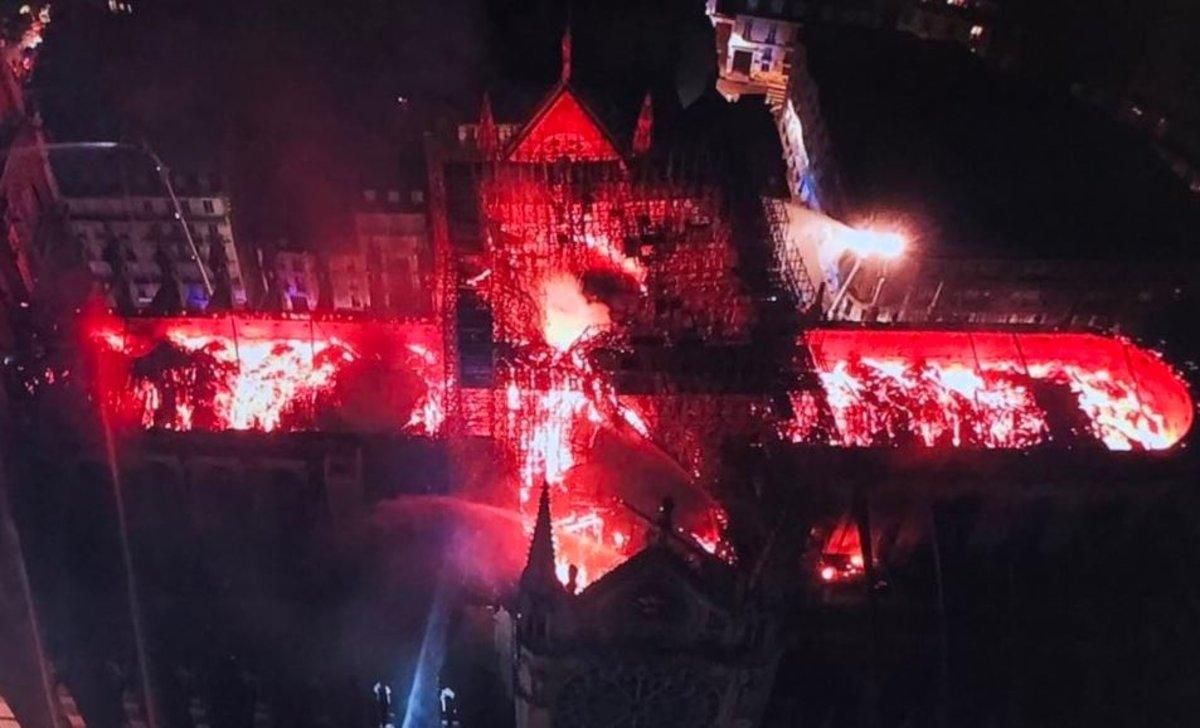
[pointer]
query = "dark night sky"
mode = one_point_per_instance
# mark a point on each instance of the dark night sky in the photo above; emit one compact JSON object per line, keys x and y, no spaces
{"x":298,"y":101}
{"x":989,"y":163}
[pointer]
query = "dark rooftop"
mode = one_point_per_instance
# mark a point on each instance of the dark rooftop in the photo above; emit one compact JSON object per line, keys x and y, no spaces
{"x":124,"y":171}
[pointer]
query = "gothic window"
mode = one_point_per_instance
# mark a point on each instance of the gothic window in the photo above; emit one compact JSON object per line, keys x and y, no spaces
{"x":638,"y":695}
{"x":741,"y":62}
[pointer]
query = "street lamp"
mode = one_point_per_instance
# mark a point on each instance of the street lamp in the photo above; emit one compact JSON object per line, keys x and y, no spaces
{"x":864,"y":244}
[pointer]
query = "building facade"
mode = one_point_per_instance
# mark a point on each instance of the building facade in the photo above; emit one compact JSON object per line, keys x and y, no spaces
{"x":142,"y":252}
{"x":28,"y":191}
{"x":392,"y":235}
{"x":663,"y":639}
{"x":349,"y":282}
{"x":296,"y":276}
{"x":755,"y":46}
{"x":388,"y":269}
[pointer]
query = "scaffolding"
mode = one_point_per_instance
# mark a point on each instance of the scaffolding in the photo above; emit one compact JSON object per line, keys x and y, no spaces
{"x":656,"y":236}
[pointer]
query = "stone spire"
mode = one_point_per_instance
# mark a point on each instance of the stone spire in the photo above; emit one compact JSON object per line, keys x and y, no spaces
{"x":539,"y":573}
{"x":643,"y":132}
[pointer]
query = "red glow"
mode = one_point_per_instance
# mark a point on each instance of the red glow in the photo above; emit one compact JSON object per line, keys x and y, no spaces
{"x":563,"y":128}
{"x":868,"y":243}
{"x":610,"y":235}
{"x":989,"y":389}
{"x":556,"y":409}
{"x":841,"y":556}
{"x":551,"y":431}
{"x":238,"y":373}
{"x":572,"y":255}
{"x":567,"y":315}
{"x":662,"y":259}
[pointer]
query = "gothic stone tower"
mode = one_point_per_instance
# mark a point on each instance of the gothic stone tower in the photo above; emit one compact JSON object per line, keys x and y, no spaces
{"x":668,"y":638}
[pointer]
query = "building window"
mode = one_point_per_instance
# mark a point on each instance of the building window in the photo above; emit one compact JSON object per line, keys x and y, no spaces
{"x":748,"y":30}
{"x":208,"y":206}
{"x":741,"y":62}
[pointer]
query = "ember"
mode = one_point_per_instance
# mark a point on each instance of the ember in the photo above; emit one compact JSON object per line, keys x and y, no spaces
{"x":246,"y":374}
{"x":990,"y":390}
{"x":555,"y":412}
{"x":841,"y":556}
{"x":573,"y":255}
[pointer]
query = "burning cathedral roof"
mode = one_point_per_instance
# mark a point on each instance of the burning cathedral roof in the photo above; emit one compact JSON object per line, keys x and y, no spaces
{"x":587,"y":253}
{"x":881,"y":387}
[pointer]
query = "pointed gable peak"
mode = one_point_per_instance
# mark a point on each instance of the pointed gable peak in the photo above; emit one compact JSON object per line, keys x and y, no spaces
{"x":564,"y":128}
{"x":658,"y":563}
{"x":539,"y":567}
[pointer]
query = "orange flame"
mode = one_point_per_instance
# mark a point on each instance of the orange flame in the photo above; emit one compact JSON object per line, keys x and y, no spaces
{"x":989,"y":389}
{"x":267,"y":383}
